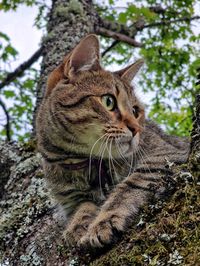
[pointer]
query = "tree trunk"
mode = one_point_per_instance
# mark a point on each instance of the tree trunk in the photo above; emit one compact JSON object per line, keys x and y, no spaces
{"x":31,"y":223}
{"x":68,"y":22}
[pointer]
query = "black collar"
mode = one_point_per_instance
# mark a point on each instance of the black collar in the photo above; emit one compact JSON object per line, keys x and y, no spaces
{"x":75,"y":166}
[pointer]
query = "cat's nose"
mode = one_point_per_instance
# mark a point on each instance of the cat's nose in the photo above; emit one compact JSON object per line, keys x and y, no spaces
{"x":133,"y":128}
{"x":132,"y":125}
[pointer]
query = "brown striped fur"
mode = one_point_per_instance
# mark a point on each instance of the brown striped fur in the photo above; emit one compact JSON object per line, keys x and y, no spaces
{"x":102,"y":165}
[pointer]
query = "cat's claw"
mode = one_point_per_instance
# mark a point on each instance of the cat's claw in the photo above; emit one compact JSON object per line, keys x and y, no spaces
{"x":73,"y":236}
{"x":104,"y":230}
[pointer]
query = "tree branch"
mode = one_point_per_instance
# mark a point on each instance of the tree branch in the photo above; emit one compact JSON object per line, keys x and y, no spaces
{"x":7,"y":125}
{"x":134,"y":26}
{"x":21,"y":68}
{"x":194,"y":162}
{"x":118,"y":36}
{"x":113,"y":44}
{"x":198,"y":77}
{"x":158,"y":9}
{"x":118,"y":28}
{"x":140,"y":26}
{"x":126,"y":34}
{"x":118,"y":32}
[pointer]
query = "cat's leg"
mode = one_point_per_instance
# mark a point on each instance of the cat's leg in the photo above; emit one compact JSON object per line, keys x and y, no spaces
{"x":121,"y":208}
{"x":78,"y":206}
{"x":79,"y":222}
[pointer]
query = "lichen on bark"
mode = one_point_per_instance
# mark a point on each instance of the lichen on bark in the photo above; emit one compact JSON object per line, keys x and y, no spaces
{"x":69,"y":21}
{"x":194,"y":161}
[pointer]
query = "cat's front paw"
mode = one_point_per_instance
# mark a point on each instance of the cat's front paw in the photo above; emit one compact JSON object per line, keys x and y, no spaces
{"x":106,"y":229}
{"x":73,"y":234}
{"x":79,"y":223}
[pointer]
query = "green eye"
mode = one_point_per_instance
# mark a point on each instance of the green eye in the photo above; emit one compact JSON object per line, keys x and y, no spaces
{"x":109,"y":102}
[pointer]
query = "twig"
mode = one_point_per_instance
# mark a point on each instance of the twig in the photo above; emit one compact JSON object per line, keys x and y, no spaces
{"x":7,"y":125}
{"x":166,"y":22}
{"x":21,"y":68}
{"x":157,"y":9}
{"x":118,"y":36}
{"x":198,"y":77}
{"x":113,"y":44}
{"x":117,"y":27}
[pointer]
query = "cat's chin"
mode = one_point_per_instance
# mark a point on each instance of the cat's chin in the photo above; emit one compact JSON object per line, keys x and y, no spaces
{"x":126,"y":148}
{"x":131,"y":147}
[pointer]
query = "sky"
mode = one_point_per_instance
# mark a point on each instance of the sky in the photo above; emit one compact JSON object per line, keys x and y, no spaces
{"x":19,"y":26}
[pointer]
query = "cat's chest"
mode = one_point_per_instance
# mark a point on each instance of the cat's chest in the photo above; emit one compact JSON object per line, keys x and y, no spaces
{"x":98,"y":176}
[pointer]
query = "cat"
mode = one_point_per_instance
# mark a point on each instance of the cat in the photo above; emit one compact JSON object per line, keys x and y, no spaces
{"x":102,"y":157}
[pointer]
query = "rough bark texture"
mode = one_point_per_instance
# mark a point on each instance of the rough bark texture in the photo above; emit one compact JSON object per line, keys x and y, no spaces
{"x":69,"y":21}
{"x":194,"y":163}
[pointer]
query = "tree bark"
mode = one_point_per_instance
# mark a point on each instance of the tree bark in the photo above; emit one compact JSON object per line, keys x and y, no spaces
{"x":68,"y":22}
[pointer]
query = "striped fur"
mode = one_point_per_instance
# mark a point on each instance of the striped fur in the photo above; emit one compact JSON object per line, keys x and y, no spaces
{"x":101,"y":165}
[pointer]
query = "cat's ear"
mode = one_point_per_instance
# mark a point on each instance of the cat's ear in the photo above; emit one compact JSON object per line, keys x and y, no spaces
{"x":128,"y":73}
{"x":85,"y":56}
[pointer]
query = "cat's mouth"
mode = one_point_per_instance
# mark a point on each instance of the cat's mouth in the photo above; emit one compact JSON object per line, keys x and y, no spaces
{"x":123,"y":146}
{"x":113,"y":146}
{"x":130,"y":144}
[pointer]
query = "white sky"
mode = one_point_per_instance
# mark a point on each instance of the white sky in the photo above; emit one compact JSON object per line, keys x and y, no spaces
{"x":19,"y":27}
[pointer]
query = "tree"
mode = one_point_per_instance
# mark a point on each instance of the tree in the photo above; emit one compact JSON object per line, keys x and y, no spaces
{"x":30,"y":232}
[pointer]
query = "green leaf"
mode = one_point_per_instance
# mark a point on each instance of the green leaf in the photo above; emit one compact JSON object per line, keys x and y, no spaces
{"x":8,"y":93}
{"x":4,"y":36}
{"x":122,"y":18}
{"x":10,"y":50}
{"x":111,"y":2}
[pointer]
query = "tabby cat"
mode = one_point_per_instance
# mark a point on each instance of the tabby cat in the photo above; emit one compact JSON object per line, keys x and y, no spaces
{"x":103,"y":159}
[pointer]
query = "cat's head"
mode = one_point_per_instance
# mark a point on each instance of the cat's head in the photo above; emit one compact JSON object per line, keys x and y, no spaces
{"x":88,"y":110}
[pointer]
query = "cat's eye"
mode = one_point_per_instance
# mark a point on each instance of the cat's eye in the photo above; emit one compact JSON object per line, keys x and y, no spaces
{"x":136,"y":111}
{"x":109,"y":102}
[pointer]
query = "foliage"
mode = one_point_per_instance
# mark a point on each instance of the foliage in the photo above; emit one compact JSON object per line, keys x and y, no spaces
{"x":19,"y":96}
{"x":171,"y":52}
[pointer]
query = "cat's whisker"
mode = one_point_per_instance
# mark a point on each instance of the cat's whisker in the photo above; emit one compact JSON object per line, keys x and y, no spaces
{"x":143,"y":159}
{"x":90,"y":157}
{"x":100,"y":164}
{"x":111,"y":163}
{"x":113,"y":160}
{"x":117,"y":175}
{"x":118,"y":148}
{"x":121,"y":153}
{"x":109,"y":160}
{"x":145,"y":153}
{"x":102,"y":146}
{"x":131,"y":164}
